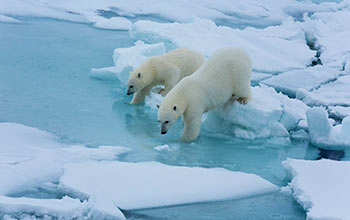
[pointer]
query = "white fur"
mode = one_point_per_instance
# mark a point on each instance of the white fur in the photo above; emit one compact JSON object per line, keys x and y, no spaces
{"x":224,"y":76}
{"x":166,"y":70}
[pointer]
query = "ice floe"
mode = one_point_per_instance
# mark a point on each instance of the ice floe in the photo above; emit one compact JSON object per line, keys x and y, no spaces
{"x":324,"y":134}
{"x":321,"y":187}
{"x":333,"y":93}
{"x":270,"y":53}
{"x":126,"y":59}
{"x":152,"y":184}
{"x":30,"y":157}
{"x":289,"y":82}
{"x":115,"y":23}
{"x":269,"y":114}
{"x":339,"y":112}
{"x":238,"y":13}
{"x":65,"y":208}
{"x":330,"y":31}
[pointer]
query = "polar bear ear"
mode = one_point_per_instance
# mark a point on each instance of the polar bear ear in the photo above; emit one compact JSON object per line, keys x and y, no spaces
{"x":174,"y":108}
{"x":139,"y":75}
{"x":157,"y":106}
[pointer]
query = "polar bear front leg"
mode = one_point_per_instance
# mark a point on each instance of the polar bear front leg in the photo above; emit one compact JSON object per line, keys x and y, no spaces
{"x":140,"y":95}
{"x":192,"y":128}
{"x":171,"y":80}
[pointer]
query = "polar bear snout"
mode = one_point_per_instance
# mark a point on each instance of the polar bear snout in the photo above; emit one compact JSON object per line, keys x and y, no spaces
{"x":163,"y":128}
{"x":131,"y":90}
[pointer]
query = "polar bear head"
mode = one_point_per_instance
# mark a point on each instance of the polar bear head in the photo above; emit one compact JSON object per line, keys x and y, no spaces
{"x":169,"y":111}
{"x":141,"y":77}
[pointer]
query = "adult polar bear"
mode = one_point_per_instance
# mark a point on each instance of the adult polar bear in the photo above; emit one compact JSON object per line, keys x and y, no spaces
{"x":225,"y":76}
{"x":167,"y":70}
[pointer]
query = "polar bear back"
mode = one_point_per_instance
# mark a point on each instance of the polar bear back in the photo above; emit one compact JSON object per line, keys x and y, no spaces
{"x":187,"y":60}
{"x":227,"y":72}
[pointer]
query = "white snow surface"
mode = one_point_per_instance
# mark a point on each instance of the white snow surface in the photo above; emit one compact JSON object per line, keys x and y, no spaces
{"x":30,"y":157}
{"x":324,"y":134}
{"x":152,"y":184}
{"x":65,"y":208}
{"x":321,"y":187}
{"x":312,"y":77}
{"x":339,"y":111}
{"x":264,"y":13}
{"x":333,"y":93}
{"x":270,"y":53}
{"x":114,"y":23}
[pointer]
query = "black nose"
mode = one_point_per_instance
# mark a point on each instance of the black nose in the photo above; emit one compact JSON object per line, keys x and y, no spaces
{"x":129,"y":92}
{"x":163,"y":132}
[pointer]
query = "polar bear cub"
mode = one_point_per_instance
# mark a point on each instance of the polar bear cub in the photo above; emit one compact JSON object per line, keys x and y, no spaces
{"x":225,"y":76}
{"x":167,"y":70}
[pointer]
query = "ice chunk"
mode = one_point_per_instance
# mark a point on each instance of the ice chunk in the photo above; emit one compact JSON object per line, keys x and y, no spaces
{"x":152,"y":184}
{"x":30,"y":157}
{"x":339,"y":111}
{"x":321,"y":187}
{"x":269,"y":114}
{"x":319,"y":128}
{"x":115,"y":23}
{"x":312,"y":77}
{"x":126,"y":59}
{"x":65,"y":208}
{"x":262,"y":47}
{"x":323,"y":134}
{"x":164,"y":147}
{"x":299,"y":134}
{"x":334,"y":93}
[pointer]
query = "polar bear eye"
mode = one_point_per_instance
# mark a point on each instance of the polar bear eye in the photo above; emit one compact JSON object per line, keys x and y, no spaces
{"x":131,"y":87}
{"x":139,"y":75}
{"x":166,"y":122}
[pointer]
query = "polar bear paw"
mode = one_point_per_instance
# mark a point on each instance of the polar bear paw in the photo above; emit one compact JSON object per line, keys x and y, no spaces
{"x":243,"y":101}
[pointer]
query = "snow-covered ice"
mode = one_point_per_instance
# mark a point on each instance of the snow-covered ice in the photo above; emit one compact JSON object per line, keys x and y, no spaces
{"x":264,"y":49}
{"x":339,"y":111}
{"x":269,"y":114}
{"x":152,"y":184}
{"x":312,"y":77}
{"x":65,"y":208}
{"x":126,"y":59}
{"x":322,"y":133}
{"x":238,"y":13}
{"x":31,"y":157}
{"x":115,"y":23}
{"x":321,"y":187}
{"x":331,"y":31}
{"x":333,"y":93}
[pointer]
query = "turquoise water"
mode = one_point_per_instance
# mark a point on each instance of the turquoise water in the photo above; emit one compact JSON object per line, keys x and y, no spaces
{"x":45,"y":83}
